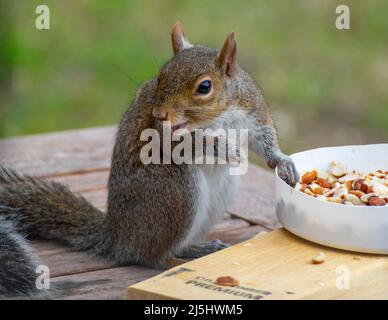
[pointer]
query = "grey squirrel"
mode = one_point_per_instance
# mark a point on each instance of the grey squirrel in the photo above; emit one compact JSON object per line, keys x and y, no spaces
{"x":155,"y":211}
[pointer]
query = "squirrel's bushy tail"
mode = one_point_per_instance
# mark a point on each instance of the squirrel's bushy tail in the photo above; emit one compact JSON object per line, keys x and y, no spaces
{"x":44,"y":209}
{"x":17,"y":262}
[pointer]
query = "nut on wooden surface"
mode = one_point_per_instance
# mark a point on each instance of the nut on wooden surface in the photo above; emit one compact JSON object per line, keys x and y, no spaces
{"x":227,"y":281}
{"x":320,"y":258}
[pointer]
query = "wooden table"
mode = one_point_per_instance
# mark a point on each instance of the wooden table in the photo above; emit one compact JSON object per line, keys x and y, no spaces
{"x":81,"y":159}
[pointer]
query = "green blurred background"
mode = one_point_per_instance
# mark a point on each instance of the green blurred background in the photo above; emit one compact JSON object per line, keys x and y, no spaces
{"x":324,"y":86}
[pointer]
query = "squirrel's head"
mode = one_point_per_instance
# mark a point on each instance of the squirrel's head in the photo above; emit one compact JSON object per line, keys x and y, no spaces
{"x":194,"y":86}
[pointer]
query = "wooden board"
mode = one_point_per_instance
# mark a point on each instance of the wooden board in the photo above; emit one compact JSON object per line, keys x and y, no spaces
{"x":100,"y":284}
{"x":59,"y":153}
{"x":274,"y":265}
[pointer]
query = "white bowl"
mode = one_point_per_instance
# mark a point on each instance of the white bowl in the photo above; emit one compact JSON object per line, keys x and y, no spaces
{"x":355,"y":228}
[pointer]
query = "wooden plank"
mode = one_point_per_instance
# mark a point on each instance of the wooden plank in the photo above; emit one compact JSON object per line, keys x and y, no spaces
{"x":250,"y":219}
{"x":103,"y":284}
{"x":276,"y":265}
{"x":256,"y":197}
{"x":236,"y":235}
{"x":229,"y":224}
{"x":97,"y":197}
{"x":73,"y":262}
{"x":84,"y":182}
{"x":61,"y":152}
{"x":46,"y":248}
{"x":64,"y":260}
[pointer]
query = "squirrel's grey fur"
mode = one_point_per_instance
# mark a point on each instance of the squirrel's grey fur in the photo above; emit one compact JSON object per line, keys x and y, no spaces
{"x":154,"y":211}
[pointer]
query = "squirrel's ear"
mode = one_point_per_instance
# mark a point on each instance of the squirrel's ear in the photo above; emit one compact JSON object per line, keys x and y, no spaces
{"x":179,"y":41}
{"x":227,"y":57}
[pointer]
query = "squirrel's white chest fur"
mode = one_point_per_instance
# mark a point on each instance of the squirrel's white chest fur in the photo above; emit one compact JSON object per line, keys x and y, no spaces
{"x":216,"y":187}
{"x":215,"y":193}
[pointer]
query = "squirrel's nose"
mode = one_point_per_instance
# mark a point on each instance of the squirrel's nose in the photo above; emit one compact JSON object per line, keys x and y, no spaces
{"x":159,"y":114}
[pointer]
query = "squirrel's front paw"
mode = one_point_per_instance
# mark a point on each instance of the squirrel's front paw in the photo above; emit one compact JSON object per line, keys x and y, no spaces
{"x":286,"y":170}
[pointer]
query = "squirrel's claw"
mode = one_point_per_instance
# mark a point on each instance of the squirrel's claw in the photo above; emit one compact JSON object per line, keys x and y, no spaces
{"x":287,"y":170}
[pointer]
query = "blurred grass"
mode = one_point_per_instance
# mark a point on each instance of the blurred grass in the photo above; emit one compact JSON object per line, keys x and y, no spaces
{"x":325,"y":86}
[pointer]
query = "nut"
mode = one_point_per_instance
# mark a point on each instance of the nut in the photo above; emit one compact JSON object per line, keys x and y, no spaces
{"x":319,"y":258}
{"x":340,"y":192}
{"x":353,"y":199}
{"x":335,"y":200}
{"x":332,"y":179}
{"x":365,"y":197}
{"x":309,"y":192}
{"x":376,"y":201}
{"x":324,"y":183}
{"x":338,"y":185}
{"x":379,"y":174}
{"x":348,"y":185}
{"x":227,"y":281}
{"x":309,"y":177}
{"x":349,"y":177}
{"x":318,"y":191}
{"x":322,"y":174}
{"x":379,"y":188}
{"x":357,"y":193}
{"x":360,"y":184}
{"x":303,"y":187}
{"x":337,"y":169}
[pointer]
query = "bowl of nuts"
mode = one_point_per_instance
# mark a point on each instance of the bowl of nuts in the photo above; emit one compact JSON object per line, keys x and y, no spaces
{"x":341,"y":199}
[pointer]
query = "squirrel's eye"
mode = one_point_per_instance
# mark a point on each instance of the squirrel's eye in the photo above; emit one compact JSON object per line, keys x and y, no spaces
{"x":204,"y":87}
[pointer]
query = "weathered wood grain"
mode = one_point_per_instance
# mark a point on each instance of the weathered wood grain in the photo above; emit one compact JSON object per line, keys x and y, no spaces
{"x":73,"y":262}
{"x":256,"y":197}
{"x":84,"y":182}
{"x":229,"y":224}
{"x":236,"y":235}
{"x":253,"y":220}
{"x":97,"y":197}
{"x":64,"y":260}
{"x":59,"y":153}
{"x":106,"y":284}
{"x":46,"y":248}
